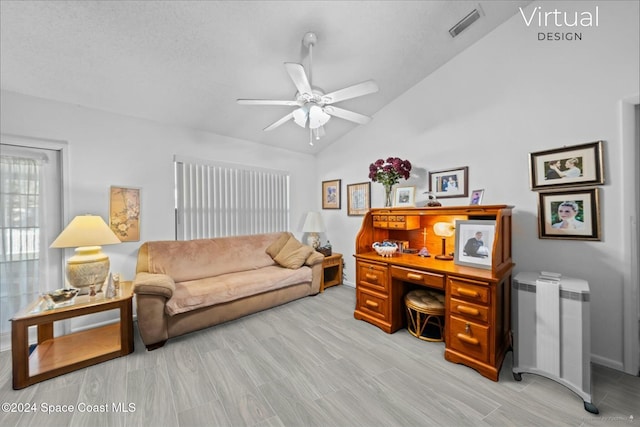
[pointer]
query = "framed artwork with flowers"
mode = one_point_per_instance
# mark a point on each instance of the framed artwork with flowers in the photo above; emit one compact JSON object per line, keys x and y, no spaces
{"x":449,"y":182}
{"x":124,"y":213}
{"x":331,"y":194}
{"x":358,"y":198}
{"x":388,"y":173}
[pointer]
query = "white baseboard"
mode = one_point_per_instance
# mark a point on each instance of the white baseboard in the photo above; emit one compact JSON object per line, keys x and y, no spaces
{"x":609,"y":363}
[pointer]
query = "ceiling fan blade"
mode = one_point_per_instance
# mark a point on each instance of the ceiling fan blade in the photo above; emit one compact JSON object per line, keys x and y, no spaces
{"x":279,"y":122}
{"x":299,"y":77}
{"x":268,"y":102}
{"x":354,"y":91}
{"x":347,"y":115}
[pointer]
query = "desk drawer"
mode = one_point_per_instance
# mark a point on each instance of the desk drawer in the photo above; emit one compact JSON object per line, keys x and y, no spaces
{"x":468,"y":338}
{"x":432,"y":280}
{"x":469,"y":311}
{"x":372,"y":304}
{"x":372,"y":276}
{"x":476,"y":292}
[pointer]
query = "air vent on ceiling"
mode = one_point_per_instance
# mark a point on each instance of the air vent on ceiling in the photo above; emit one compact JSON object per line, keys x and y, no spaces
{"x":465,"y":23}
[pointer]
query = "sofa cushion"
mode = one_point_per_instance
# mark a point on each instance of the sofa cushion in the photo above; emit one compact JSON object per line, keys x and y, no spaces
{"x":197,"y":259}
{"x":293,"y":254}
{"x":210,"y":291}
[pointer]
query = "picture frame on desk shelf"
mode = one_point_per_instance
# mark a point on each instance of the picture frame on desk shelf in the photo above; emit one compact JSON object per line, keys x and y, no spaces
{"x":569,"y":214}
{"x":124,"y":213}
{"x":476,"y":197}
{"x":358,"y":198}
{"x":331,"y":194}
{"x":449,"y":183}
{"x":404,"y":197}
{"x":474,"y":243}
{"x":577,"y":165}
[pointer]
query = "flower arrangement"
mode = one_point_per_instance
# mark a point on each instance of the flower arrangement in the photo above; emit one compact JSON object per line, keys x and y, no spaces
{"x":388,"y":173}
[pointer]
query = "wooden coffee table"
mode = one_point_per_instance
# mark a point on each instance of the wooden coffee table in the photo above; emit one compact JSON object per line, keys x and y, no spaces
{"x":59,"y":355}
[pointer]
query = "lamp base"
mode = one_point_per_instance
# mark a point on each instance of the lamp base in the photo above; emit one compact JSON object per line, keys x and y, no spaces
{"x":89,"y":266}
{"x":444,"y":257}
{"x":313,"y":240}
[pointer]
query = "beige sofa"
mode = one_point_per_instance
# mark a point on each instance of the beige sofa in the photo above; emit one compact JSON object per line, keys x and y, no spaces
{"x":183,"y":286}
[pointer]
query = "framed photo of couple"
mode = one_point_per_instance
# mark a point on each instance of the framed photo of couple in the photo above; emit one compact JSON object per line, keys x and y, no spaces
{"x":577,"y":165}
{"x":449,"y":183}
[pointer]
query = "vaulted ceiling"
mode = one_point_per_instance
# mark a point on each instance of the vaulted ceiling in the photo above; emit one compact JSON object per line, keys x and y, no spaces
{"x":185,"y":63}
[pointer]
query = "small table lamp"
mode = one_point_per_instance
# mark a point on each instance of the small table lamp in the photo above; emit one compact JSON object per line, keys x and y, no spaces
{"x":444,"y":230}
{"x":89,"y":265}
{"x":313,"y":225}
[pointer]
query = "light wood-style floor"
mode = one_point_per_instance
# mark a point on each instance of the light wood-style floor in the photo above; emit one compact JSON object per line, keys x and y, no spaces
{"x":309,"y":363}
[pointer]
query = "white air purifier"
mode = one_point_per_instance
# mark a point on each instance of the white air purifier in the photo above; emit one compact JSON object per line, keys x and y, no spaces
{"x":551,"y":331}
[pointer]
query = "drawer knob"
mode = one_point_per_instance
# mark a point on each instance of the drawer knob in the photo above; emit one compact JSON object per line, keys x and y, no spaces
{"x":414,"y":276}
{"x":468,"y":310}
{"x":468,"y":292}
{"x":371,"y":303}
{"x":371,"y":277}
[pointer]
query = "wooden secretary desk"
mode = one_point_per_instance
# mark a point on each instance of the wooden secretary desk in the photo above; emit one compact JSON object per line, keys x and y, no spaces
{"x":477,"y":300}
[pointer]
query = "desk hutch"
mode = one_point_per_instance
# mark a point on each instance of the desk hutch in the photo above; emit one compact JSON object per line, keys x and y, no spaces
{"x":477,"y":301}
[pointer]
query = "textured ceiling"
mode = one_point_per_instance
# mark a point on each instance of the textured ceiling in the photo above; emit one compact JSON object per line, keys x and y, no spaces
{"x":185,"y":63}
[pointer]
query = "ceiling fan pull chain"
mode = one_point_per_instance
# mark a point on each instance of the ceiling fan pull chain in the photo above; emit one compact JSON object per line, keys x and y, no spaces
{"x":310,"y":67}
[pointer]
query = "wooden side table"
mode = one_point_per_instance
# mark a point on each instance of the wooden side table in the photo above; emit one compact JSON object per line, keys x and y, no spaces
{"x":332,"y":271}
{"x":59,"y":355}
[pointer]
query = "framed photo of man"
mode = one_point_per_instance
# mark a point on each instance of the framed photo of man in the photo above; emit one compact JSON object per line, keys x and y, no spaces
{"x":474,"y":243}
{"x":578,"y":165}
{"x":569,"y":214}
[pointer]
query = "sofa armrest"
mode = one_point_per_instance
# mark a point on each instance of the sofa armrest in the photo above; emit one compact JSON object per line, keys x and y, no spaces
{"x":315,"y":258}
{"x":154,"y":284}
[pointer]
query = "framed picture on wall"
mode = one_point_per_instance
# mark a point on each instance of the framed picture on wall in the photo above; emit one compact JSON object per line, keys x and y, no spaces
{"x":358,"y":198}
{"x":449,"y":182}
{"x":578,"y":165}
{"x":474,"y":243}
{"x":569,"y":214}
{"x":124,"y":213}
{"x":331,"y":194}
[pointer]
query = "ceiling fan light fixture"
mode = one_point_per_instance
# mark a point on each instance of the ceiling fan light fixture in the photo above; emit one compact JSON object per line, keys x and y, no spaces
{"x":317,"y":117}
{"x":300,"y":116}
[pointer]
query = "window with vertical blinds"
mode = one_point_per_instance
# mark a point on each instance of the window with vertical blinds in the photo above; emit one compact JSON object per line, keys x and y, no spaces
{"x":221,"y":199}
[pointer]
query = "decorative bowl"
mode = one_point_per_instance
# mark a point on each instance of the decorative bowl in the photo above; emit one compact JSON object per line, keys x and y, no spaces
{"x":60,"y":296}
{"x":385,"y":249}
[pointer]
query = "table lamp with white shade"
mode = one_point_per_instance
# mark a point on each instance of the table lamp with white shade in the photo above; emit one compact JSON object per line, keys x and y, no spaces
{"x":444,"y":230}
{"x":89,"y":266}
{"x":313,"y":225}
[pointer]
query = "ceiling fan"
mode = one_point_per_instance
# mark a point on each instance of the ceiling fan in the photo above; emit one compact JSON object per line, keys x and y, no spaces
{"x":314,"y":107}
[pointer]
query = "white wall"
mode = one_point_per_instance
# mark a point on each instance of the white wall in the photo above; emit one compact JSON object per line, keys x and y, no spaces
{"x":108,"y":149}
{"x":507,"y":95}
